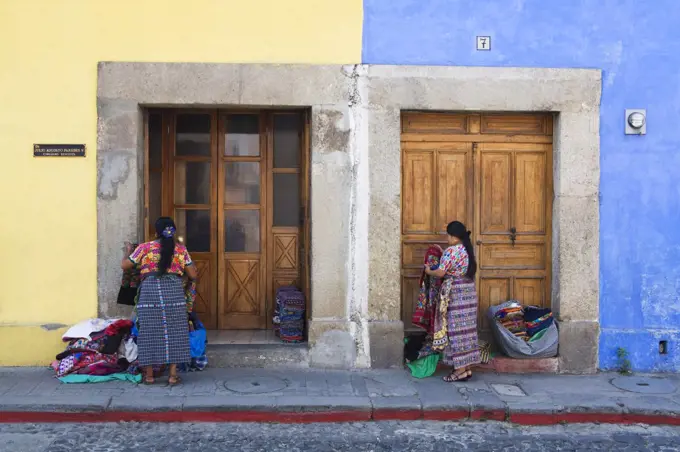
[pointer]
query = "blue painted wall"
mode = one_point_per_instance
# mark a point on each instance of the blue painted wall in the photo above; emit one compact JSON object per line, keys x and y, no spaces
{"x":637,"y":45}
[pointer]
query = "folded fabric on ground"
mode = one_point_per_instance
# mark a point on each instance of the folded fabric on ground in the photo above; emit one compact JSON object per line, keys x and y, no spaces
{"x":77,"y":378}
{"x":109,"y":347}
{"x":289,"y":314}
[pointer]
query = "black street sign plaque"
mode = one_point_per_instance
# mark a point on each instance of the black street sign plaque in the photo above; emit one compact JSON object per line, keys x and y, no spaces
{"x":58,"y":150}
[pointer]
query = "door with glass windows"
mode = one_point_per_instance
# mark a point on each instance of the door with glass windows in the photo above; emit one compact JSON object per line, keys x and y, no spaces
{"x":236,"y":185}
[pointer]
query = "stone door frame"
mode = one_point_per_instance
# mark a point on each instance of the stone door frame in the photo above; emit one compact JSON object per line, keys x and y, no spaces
{"x":355,"y":153}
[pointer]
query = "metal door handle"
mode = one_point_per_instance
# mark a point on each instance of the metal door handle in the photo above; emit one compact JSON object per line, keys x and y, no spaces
{"x":513,"y":235}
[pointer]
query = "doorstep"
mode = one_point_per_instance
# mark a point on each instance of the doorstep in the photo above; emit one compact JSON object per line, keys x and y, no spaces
{"x":505,"y":365}
{"x":254,"y":348}
{"x":259,"y":356}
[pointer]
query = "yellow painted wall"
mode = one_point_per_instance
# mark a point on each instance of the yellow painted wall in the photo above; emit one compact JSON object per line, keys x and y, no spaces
{"x":48,"y":67}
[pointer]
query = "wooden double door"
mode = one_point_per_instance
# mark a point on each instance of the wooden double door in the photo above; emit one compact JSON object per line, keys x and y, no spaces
{"x":236,"y":185}
{"x":493,"y":172}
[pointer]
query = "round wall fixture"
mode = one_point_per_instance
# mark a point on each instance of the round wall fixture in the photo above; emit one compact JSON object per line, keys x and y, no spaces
{"x":636,"y":120}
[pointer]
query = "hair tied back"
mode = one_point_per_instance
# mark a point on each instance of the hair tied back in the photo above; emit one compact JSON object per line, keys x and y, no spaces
{"x":168,"y":232}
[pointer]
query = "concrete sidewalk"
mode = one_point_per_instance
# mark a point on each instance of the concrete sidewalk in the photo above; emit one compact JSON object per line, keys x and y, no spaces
{"x":265,"y":395}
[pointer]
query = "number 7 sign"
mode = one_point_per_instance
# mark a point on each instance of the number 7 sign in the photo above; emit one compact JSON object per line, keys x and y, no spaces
{"x":483,"y":42}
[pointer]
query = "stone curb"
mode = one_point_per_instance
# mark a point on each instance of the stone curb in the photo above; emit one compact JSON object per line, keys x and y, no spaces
{"x":291,"y":409}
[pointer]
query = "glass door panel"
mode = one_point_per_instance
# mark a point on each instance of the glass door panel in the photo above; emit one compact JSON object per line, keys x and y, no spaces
{"x":193,"y":201}
{"x":242,"y":183}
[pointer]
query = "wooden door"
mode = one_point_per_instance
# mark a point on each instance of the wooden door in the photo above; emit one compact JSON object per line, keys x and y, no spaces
{"x":437,"y":183}
{"x":287,"y":212}
{"x":242,"y":220}
{"x":493,"y":173}
{"x":237,"y":186}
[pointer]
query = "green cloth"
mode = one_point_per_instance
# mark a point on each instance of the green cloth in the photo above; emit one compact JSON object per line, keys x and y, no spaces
{"x":77,"y":378}
{"x":538,"y":335}
{"x":424,"y":367}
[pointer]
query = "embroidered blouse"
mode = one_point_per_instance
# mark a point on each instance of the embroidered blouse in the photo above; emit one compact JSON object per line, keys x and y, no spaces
{"x":148,"y":255}
{"x":455,"y":261}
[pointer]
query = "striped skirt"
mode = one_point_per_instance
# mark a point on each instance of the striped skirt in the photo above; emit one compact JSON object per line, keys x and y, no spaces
{"x":462,"y":348}
{"x":163,"y":322}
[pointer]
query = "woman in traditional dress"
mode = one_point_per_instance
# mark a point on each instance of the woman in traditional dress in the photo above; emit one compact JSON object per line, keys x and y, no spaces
{"x":455,"y":330}
{"x":162,"y":308}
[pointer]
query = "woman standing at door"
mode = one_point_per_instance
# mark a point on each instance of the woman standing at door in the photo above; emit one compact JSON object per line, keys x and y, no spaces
{"x":162,"y":309}
{"x":455,"y":332}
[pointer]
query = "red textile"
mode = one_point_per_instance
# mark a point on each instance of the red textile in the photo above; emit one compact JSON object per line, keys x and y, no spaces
{"x":118,"y":326}
{"x":423,"y":313}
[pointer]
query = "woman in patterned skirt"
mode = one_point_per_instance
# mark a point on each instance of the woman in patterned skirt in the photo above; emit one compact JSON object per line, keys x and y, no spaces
{"x":455,"y":331}
{"x":162,"y":308}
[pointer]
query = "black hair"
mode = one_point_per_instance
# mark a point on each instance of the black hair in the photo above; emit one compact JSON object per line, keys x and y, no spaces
{"x":165,"y":231}
{"x":458,"y":230}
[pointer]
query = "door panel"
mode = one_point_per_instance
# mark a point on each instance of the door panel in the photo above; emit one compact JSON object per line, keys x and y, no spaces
{"x":495,"y":256}
{"x":285,"y":206}
{"x":190,"y":198}
{"x":530,"y":290}
{"x":453,"y":187}
{"x":494,"y":193}
{"x":409,"y":293}
{"x":418,"y":191}
{"x":491,"y":291}
{"x":242,"y":195}
{"x":236,"y":185}
{"x":516,"y":249}
{"x":492,"y":170}
{"x":529,"y":202}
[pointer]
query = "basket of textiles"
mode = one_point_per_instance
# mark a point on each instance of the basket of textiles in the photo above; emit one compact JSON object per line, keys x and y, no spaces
{"x":289,"y":314}
{"x":524,"y":332}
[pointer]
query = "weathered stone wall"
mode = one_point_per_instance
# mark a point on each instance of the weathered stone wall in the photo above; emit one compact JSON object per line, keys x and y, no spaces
{"x":356,"y":181}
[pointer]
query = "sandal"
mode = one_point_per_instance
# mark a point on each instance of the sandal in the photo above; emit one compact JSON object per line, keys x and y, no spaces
{"x":148,"y":381}
{"x":174,"y":380}
{"x":456,"y":377}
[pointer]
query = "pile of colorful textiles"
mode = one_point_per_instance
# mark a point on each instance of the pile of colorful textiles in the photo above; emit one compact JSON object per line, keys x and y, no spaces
{"x":108,"y":347}
{"x":524,"y":322}
{"x":97,"y":347}
{"x":512,"y":319}
{"x":289,"y":314}
{"x":537,"y":320}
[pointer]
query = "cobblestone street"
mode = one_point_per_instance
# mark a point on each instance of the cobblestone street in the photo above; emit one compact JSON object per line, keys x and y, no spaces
{"x":387,"y":436}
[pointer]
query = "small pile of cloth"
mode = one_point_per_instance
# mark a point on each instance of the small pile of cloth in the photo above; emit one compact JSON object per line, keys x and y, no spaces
{"x":527,"y":323}
{"x":289,"y":314}
{"x":512,"y":318}
{"x":97,"y":347}
{"x":101,"y":350}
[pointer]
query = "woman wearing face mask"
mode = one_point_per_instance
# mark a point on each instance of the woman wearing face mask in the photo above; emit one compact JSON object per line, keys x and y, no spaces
{"x":455,"y":331}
